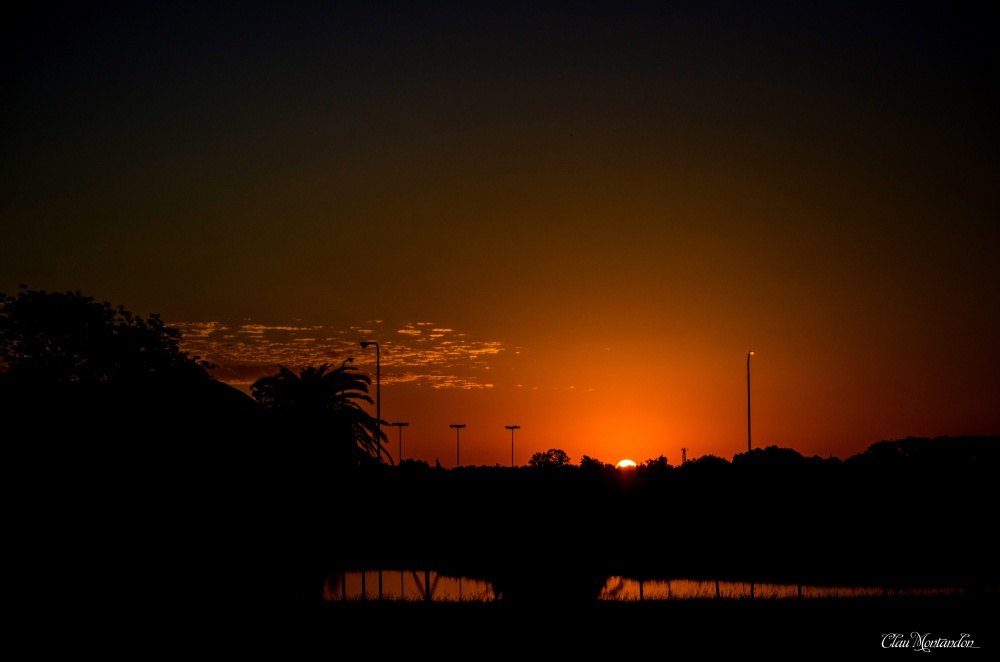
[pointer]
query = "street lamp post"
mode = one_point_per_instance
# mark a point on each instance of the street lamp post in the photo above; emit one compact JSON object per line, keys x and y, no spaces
{"x":749,"y":445}
{"x":378,"y":390}
{"x":400,"y":426}
{"x":512,"y":428}
{"x":458,"y":443}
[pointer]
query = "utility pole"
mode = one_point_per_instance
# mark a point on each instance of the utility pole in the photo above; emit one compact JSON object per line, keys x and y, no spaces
{"x":512,"y":428}
{"x":458,"y":443}
{"x":749,"y":445}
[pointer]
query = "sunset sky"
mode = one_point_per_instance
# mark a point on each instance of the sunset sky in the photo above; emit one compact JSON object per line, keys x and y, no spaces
{"x":573,"y":217}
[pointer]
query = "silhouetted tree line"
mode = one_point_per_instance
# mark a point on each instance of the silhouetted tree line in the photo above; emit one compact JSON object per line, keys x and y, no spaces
{"x":136,"y":463}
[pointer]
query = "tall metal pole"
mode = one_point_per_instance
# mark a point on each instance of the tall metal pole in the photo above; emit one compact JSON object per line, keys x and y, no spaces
{"x":458,"y":443}
{"x":512,"y":428}
{"x":400,"y":426}
{"x":749,"y":444}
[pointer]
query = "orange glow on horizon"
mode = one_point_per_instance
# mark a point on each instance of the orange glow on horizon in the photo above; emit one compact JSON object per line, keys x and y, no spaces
{"x":549,"y":241}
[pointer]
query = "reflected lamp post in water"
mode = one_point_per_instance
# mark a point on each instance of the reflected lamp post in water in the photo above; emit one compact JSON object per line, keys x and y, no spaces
{"x":749,"y":444}
{"x":458,"y":443}
{"x":512,"y":428}
{"x":400,"y":426}
{"x":378,"y":390}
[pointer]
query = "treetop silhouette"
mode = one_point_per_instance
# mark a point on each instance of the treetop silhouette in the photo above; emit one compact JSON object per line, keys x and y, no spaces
{"x":69,"y":337}
{"x":554,"y":457}
{"x":326,"y":403}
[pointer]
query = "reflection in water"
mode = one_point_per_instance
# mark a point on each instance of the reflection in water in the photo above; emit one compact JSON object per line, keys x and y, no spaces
{"x":432,"y":587}
{"x":621,"y":588}
{"x":407,"y":585}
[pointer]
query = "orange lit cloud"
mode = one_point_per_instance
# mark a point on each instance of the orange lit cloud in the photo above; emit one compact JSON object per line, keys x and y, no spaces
{"x":417,"y":353}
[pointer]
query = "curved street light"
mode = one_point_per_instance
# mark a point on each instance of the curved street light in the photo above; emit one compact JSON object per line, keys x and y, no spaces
{"x":349,"y":359}
{"x":749,"y":445}
{"x":458,"y":443}
{"x":378,"y":390}
{"x":512,"y":428}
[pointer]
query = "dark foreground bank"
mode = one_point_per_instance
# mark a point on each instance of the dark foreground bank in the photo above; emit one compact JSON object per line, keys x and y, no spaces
{"x":843,"y":626}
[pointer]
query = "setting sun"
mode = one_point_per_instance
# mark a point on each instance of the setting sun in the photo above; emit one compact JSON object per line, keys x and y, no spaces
{"x":626,"y":464}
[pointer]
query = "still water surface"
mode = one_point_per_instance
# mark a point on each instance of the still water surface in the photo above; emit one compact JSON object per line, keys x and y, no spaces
{"x":431,"y":586}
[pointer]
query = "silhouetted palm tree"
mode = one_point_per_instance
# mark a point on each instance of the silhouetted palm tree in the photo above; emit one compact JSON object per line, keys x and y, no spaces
{"x":327,"y":400}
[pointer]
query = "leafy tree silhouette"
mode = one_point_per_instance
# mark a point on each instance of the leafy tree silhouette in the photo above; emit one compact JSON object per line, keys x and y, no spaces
{"x":69,"y":337}
{"x":327,"y":400}
{"x":125,"y":441}
{"x":593,"y":464}
{"x":96,"y":363}
{"x":657,"y":463}
{"x":553,"y":457}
